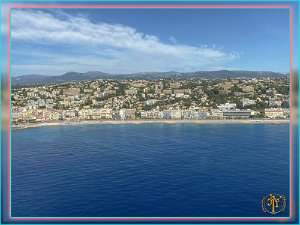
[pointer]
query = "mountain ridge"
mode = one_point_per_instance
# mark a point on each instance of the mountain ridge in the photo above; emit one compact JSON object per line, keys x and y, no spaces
{"x":37,"y":79}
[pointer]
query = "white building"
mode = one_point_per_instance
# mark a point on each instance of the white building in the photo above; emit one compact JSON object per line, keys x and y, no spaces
{"x":227,"y":106}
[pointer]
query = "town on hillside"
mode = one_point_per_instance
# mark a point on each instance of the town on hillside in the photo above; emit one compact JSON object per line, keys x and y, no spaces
{"x":168,"y":98}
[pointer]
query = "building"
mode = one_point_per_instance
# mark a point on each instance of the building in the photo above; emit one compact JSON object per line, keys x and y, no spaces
{"x":168,"y":92}
{"x":247,"y":89}
{"x":216,"y":114}
{"x":188,"y":114}
{"x":71,"y":91}
{"x":69,"y":115}
{"x":153,"y":114}
{"x":157,"y":91}
{"x":247,"y":102}
{"x":276,"y":113}
{"x":178,"y":91}
{"x":227,"y":106}
{"x":167,"y":114}
{"x":175,"y":85}
{"x":223,"y":92}
{"x":127,"y":114}
{"x":226,"y":85}
{"x":273,"y":102}
{"x":102,"y":94}
{"x":150,"y":102}
{"x":175,"y":114}
{"x":95,"y":114}
{"x":238,"y":113}
{"x":41,"y":102}
{"x":130,"y":91}
{"x":111,"y":92}
{"x":202,"y":114}
{"x":88,"y":90}
{"x":160,"y":85}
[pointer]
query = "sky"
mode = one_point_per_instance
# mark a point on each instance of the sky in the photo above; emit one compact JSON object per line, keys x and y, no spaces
{"x":118,"y":41}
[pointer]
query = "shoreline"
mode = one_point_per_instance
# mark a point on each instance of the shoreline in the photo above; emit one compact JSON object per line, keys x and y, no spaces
{"x":150,"y":121}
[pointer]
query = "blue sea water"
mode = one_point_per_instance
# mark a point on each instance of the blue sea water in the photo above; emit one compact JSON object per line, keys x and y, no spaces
{"x":148,"y":170}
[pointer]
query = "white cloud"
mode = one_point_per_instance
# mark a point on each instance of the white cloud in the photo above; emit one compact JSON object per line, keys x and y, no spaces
{"x":113,"y":48}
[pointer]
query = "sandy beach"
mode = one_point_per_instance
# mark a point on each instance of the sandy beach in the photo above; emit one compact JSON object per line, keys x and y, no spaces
{"x":163,"y":121}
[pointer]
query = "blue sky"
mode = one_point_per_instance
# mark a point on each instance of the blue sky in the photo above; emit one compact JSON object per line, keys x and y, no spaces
{"x":53,"y":42}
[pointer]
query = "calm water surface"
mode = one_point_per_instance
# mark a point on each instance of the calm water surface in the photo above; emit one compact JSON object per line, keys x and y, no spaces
{"x":148,"y":169}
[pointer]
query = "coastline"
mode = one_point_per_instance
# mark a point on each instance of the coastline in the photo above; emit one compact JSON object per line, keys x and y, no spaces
{"x":151,"y":121}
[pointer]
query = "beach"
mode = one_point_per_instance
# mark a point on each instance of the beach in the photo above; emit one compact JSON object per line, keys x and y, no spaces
{"x":144,"y":121}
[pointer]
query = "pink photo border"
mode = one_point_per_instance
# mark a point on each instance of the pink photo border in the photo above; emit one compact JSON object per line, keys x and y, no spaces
{"x":151,"y":219}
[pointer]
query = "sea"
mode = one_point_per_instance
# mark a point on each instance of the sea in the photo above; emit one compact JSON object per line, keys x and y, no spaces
{"x":148,"y":170}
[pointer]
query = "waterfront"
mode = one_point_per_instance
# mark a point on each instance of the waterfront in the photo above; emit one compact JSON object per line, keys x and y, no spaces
{"x":150,"y":121}
{"x":148,"y":170}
